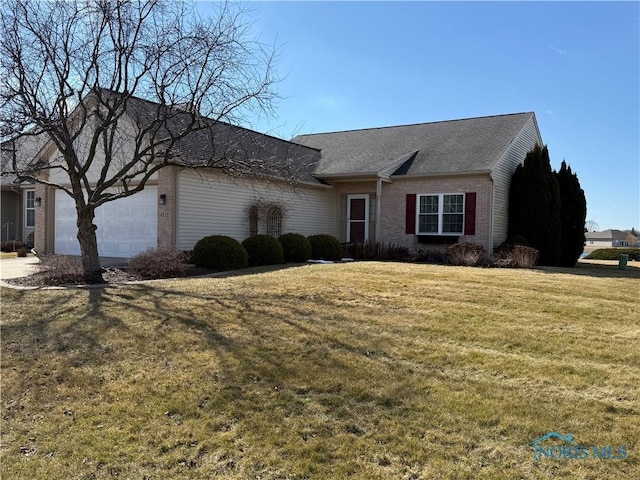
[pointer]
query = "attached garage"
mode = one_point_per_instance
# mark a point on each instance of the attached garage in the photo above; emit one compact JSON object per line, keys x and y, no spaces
{"x":126,"y":226}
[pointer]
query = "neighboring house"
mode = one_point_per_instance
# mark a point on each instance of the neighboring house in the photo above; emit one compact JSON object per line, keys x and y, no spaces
{"x":419,"y":186}
{"x":610,"y":238}
{"x":18,"y":201}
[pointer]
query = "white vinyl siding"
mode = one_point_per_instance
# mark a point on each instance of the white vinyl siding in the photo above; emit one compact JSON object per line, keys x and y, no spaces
{"x":502,"y":172}
{"x":218,"y":205}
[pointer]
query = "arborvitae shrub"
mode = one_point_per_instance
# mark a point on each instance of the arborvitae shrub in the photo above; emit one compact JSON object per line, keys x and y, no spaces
{"x":158,"y":263}
{"x":219,"y":252}
{"x":534,"y":205}
{"x":297,"y":248}
{"x":325,"y":247}
{"x":573,"y":213}
{"x":263,"y":250}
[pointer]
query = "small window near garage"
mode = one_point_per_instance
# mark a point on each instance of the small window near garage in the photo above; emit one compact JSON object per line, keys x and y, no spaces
{"x":274,"y":221}
{"x":30,"y":209}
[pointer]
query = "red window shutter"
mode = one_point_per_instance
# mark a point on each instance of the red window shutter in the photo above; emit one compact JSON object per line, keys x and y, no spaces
{"x":411,"y":214}
{"x":470,"y":213}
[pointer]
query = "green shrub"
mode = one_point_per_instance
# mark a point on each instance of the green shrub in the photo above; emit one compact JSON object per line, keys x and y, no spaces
{"x":467,"y":254}
{"x":263,"y":250}
{"x":325,"y":247}
{"x":219,"y":252}
{"x":158,"y":263}
{"x":296,"y":247}
{"x":614,"y":254}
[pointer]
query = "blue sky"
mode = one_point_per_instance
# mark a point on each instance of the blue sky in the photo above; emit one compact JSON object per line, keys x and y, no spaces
{"x":350,"y":65}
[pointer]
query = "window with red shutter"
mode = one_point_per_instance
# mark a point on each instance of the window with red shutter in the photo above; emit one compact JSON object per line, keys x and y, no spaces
{"x":411,"y":214}
{"x":470,"y":213}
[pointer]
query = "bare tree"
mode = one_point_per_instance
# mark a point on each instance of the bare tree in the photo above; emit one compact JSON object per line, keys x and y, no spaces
{"x":73,"y":70}
{"x":591,"y":226}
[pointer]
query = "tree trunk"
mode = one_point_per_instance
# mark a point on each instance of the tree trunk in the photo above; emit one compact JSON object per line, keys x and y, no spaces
{"x":89,"y":245}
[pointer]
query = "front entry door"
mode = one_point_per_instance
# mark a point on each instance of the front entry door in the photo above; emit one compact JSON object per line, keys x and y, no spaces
{"x":357,"y":218}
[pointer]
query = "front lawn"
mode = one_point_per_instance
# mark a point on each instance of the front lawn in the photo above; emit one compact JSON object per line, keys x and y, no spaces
{"x":363,"y":370}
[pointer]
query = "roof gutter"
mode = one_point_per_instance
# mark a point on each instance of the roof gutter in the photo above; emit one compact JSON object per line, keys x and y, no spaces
{"x":444,"y":174}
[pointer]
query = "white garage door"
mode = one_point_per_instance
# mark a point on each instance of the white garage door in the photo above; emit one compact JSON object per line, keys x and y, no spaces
{"x":125,"y":227}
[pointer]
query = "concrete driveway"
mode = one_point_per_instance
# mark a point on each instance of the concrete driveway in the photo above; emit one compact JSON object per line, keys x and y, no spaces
{"x":21,"y":267}
{"x":17,"y":267}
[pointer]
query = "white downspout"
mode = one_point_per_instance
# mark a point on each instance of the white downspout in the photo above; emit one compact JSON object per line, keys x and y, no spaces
{"x":493,"y":202}
{"x":378,"y":207}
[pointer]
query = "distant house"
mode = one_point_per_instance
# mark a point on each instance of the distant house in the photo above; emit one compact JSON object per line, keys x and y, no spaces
{"x":610,"y":238}
{"x":419,"y":186}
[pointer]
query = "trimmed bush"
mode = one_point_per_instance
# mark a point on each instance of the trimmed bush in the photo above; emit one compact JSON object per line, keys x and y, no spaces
{"x":325,"y":247}
{"x":219,"y":252}
{"x":376,"y":251}
{"x":614,"y":254}
{"x":516,"y":240}
{"x":515,"y":256}
{"x":158,"y":263}
{"x":263,"y":250}
{"x":432,"y":255}
{"x":296,"y":247}
{"x":60,"y":270}
{"x":525,"y":257}
{"x":467,"y":254}
{"x":11,"y":246}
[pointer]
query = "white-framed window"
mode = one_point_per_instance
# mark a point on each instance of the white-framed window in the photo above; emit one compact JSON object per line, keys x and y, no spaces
{"x":30,"y":209}
{"x":440,"y":214}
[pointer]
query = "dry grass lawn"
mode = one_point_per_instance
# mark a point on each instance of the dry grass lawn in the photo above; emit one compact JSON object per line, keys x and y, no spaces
{"x":366,"y":371}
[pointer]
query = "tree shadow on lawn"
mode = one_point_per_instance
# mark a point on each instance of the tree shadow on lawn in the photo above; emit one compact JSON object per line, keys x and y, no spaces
{"x":98,"y":326}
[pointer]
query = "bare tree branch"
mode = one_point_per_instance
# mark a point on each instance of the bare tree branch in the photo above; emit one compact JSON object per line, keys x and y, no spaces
{"x":117,"y":86}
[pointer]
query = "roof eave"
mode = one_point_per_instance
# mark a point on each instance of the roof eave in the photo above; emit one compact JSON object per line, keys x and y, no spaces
{"x":347,"y":176}
{"x":475,"y":173}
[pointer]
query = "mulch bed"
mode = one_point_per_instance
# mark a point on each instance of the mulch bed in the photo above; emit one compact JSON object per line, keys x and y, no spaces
{"x":111,"y":276}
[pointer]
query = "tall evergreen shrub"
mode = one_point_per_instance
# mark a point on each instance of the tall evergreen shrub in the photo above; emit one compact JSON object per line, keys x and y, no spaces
{"x":573,"y":212}
{"x":534,"y":205}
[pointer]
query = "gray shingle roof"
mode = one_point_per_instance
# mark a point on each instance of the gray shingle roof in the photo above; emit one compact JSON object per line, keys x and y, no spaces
{"x":238,"y":150}
{"x":607,"y":235}
{"x":454,"y":146}
{"x":24,"y":148}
